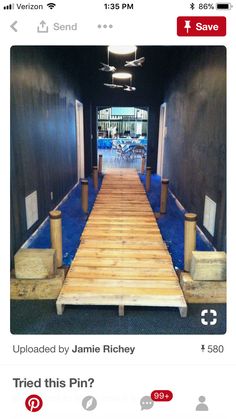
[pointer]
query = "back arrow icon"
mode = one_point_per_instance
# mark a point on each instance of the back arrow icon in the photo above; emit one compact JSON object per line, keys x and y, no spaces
{"x":13,"y":26}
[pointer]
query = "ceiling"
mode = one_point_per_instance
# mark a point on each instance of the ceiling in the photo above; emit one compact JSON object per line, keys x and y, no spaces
{"x":82,"y":64}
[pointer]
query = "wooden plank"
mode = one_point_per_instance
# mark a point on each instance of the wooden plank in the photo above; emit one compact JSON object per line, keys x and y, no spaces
{"x":151,"y":238}
{"x":125,"y":209}
{"x":112,"y":221}
{"x":119,"y":201}
{"x":117,"y":213}
{"x":88,"y":291}
{"x":121,"y":310}
{"x":124,"y":253}
{"x":122,"y":244}
{"x":122,"y":259}
{"x":113,"y":213}
{"x":115,"y":193}
{"x":130,"y":283}
{"x":134,"y":202}
{"x":122,"y":233}
{"x":123,"y":229}
{"x":59,"y":307}
{"x":118,"y":220}
{"x":127,"y":300}
{"x":92,"y":272}
{"x":121,"y":263}
{"x":124,"y":200}
{"x":124,"y":191}
{"x":151,"y":225}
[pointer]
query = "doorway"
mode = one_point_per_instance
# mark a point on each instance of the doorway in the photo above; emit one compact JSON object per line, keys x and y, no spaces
{"x":161,"y":139}
{"x":122,"y":136}
{"x":80,"y":139}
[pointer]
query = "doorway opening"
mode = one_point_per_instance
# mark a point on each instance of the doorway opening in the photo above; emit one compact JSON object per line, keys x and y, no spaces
{"x":122,"y":136}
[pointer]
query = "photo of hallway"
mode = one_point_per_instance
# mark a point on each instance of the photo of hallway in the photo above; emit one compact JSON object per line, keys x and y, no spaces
{"x":118,"y":189}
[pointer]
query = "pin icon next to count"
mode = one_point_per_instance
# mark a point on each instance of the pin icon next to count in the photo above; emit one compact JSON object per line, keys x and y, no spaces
{"x":34,"y":403}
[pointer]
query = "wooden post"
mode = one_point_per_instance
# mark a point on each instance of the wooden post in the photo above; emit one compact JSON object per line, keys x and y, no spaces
{"x":148,"y":178}
{"x":189,"y":238}
{"x":95,"y":177}
{"x":143,"y":160}
{"x":84,"y":193}
{"x":121,"y":311}
{"x":164,"y":195}
{"x":56,"y":234}
{"x":100,"y":164}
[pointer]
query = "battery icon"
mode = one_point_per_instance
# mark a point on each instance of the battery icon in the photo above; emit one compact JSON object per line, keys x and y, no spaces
{"x":224,"y":6}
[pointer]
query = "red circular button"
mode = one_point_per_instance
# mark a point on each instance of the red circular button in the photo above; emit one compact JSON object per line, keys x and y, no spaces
{"x":161,"y":395}
{"x":33,"y":403}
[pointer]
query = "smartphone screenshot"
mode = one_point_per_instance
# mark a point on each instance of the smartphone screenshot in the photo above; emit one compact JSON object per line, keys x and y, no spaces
{"x":117,"y":207}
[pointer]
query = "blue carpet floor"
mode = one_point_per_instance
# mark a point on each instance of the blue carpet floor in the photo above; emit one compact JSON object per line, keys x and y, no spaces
{"x":172,"y":224}
{"x":39,"y":317}
{"x":73,"y":223}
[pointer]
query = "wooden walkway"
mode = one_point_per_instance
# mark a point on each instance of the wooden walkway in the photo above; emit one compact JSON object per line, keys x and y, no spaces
{"x":122,"y":259}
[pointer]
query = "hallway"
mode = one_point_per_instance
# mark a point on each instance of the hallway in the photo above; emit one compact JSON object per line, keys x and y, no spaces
{"x":55,"y":94}
{"x":45,"y":140}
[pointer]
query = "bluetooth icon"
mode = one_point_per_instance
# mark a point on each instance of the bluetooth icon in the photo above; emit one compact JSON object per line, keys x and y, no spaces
{"x":192,"y":6}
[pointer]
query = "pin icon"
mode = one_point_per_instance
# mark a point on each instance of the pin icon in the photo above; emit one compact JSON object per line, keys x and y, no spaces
{"x":33,"y":403}
{"x":187,"y":25}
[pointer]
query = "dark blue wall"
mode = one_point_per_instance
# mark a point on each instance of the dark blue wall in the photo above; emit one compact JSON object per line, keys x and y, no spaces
{"x":195,"y":146}
{"x":43,"y":135}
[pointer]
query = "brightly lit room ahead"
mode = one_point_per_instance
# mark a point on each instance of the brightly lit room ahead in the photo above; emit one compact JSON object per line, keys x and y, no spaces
{"x":122,"y":136}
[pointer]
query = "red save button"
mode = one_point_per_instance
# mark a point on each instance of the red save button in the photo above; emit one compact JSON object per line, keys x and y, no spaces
{"x":201,"y":26}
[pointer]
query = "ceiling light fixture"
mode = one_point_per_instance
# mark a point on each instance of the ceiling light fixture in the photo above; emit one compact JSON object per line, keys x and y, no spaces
{"x":122,"y":76}
{"x":124,"y":49}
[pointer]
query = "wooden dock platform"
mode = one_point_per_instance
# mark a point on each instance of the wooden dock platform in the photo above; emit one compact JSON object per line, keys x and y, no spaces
{"x":122,"y":259}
